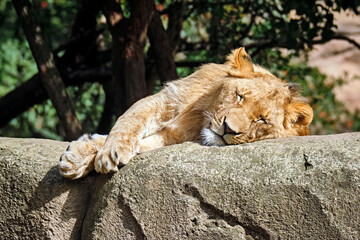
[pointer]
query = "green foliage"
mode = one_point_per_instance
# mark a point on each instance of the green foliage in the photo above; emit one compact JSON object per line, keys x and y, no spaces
{"x":89,"y":100}
{"x":17,"y":65}
{"x":56,"y":18}
{"x":41,"y":120}
{"x":16,"y":61}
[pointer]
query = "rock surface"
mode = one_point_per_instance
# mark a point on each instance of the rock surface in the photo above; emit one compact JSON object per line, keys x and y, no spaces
{"x":296,"y":188}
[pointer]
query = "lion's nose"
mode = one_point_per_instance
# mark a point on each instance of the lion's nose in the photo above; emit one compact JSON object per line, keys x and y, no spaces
{"x":227,"y":129}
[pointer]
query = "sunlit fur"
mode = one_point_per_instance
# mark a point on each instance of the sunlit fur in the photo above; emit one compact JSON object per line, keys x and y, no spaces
{"x":220,"y":104}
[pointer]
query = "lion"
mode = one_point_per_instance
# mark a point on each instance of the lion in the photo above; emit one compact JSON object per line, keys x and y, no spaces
{"x":220,"y":104}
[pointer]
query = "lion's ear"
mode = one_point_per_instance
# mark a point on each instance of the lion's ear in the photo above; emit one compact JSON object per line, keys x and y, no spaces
{"x":241,"y":60}
{"x":299,"y":113}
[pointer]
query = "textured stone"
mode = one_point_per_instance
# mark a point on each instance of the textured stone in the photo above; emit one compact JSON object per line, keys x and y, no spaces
{"x":296,"y":188}
{"x":35,"y":201}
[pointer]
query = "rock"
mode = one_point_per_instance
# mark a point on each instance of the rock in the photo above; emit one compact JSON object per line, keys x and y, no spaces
{"x":35,"y":201}
{"x":296,"y":188}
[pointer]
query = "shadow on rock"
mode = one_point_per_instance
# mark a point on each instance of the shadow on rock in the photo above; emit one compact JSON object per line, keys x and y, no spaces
{"x":60,"y":202}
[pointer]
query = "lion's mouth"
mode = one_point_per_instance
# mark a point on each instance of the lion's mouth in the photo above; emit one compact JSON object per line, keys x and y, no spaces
{"x":212,"y":138}
{"x":218,"y":136}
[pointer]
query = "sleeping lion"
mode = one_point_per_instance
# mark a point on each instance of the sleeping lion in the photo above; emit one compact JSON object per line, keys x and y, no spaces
{"x":220,"y":104}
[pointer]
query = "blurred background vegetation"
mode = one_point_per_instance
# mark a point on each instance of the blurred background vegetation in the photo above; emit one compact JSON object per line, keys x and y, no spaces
{"x":277,"y":34}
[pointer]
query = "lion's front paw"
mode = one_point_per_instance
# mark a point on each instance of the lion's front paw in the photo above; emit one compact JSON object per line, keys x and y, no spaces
{"x":111,"y":156}
{"x":78,"y":159}
{"x":75,"y":166}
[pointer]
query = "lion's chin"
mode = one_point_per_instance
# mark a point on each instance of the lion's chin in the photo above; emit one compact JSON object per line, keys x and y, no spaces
{"x":210,"y":138}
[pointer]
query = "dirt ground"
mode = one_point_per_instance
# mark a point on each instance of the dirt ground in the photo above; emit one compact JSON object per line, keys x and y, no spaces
{"x":339,"y":58}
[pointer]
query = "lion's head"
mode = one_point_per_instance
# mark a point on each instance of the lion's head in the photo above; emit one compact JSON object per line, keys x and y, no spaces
{"x":252,"y":104}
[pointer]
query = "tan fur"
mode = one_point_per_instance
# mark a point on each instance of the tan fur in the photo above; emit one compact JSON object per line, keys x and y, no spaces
{"x":231,"y":103}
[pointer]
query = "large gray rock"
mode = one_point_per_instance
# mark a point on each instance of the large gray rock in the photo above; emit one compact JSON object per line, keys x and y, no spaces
{"x":297,"y":188}
{"x":35,"y":201}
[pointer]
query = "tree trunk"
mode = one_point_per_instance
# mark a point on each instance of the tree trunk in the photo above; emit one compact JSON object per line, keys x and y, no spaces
{"x":128,"y":39}
{"x":115,"y":90}
{"x":176,"y":18}
{"x":85,"y":22}
{"x":134,"y":65}
{"x":161,"y":50}
{"x":48,"y":72}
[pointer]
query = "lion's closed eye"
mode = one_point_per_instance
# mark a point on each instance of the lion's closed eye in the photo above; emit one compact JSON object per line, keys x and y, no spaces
{"x":262,"y":120}
{"x":239,"y":98}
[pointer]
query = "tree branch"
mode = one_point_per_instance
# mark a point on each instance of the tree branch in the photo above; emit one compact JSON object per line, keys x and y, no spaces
{"x":75,"y":40}
{"x":186,"y":46}
{"x":33,"y":92}
{"x":190,"y":64}
{"x":339,"y":37}
{"x":49,"y":74}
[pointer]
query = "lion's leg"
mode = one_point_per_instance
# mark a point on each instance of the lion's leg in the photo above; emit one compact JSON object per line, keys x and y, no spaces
{"x":140,"y":121}
{"x":152,"y":142}
{"x":78,"y":160}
